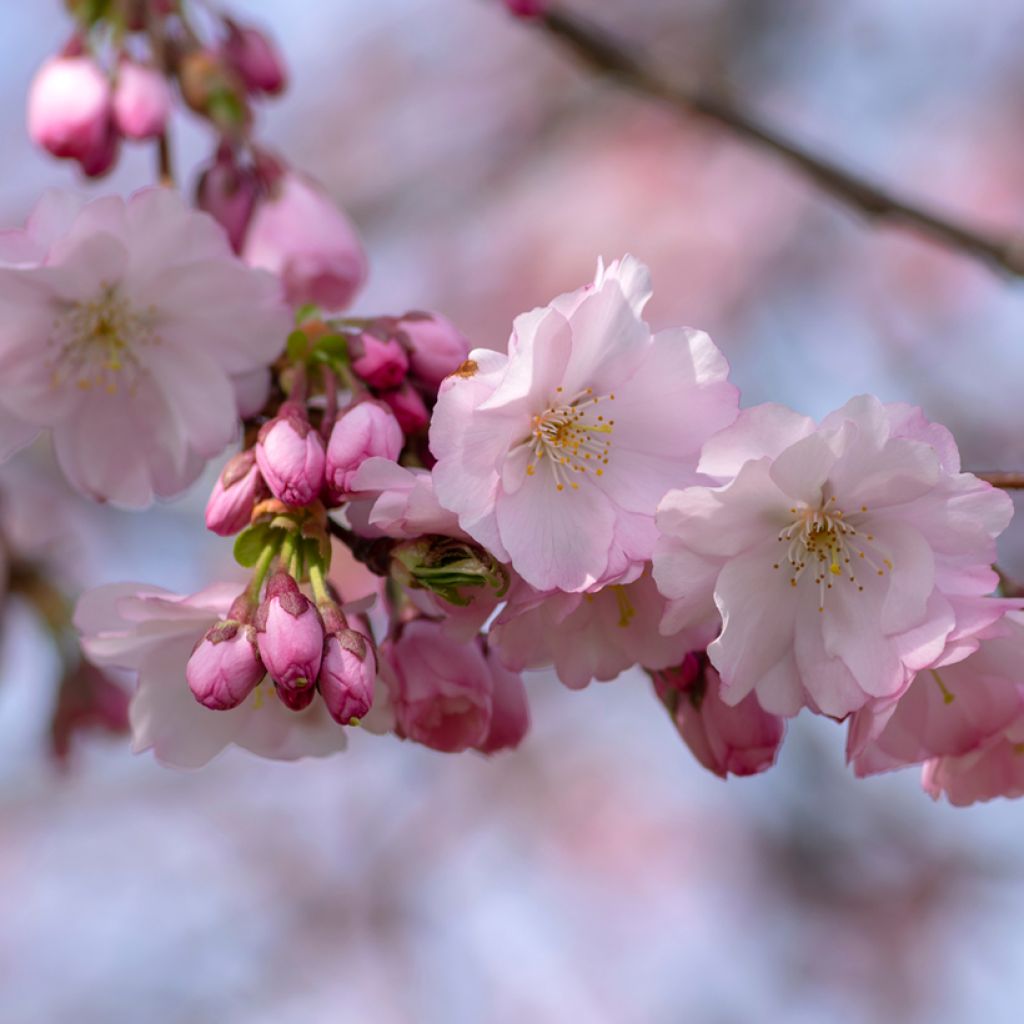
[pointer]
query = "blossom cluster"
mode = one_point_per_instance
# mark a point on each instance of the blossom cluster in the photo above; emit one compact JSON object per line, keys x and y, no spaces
{"x":423,"y":522}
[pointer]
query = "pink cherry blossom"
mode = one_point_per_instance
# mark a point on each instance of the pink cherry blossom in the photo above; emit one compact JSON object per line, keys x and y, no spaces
{"x":290,"y":635}
{"x":367,"y":430}
{"x":840,"y":557}
{"x":69,"y":108}
{"x":234,"y":495}
{"x":290,"y":455}
{"x":298,"y":234}
{"x":588,"y":636}
{"x":396,"y":501}
{"x":442,"y":689}
{"x":227,"y":191}
{"x":225,"y":667}
{"x":347,"y":672}
{"x":949,"y":711}
{"x":152,"y":632}
{"x":994,"y":769}
{"x":128,"y":338}
{"x":408,"y":406}
{"x":555,"y":455}
{"x":255,"y":58}
{"x":727,"y":740}
{"x":436,"y":346}
{"x":142,"y":101}
{"x":381,"y":362}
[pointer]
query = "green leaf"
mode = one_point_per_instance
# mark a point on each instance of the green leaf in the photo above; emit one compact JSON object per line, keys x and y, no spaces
{"x":298,"y":347}
{"x":308,"y":311}
{"x":249,"y":544}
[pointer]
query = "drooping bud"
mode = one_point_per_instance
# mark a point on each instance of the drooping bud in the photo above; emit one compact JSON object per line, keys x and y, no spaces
{"x":142,"y":101}
{"x":254,"y":58}
{"x":437,"y":346}
{"x":227,"y":191}
{"x":225,"y":666}
{"x":510,"y":712}
{"x":290,"y":455}
{"x":295,"y":700}
{"x":347,"y":672}
{"x":101,"y":160}
{"x":450,"y":567}
{"x":289,"y":634}
{"x":236,"y":492}
{"x":69,"y":108}
{"x":409,"y":408}
{"x":366,"y":430}
{"x":381,"y":362}
{"x":298,"y":234}
{"x":741,"y":740}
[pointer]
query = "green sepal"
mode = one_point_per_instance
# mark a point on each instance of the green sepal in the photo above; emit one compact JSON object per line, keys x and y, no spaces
{"x":249,"y":544}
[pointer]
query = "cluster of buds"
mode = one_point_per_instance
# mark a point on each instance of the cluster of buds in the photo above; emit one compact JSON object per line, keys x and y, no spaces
{"x":115,"y":79}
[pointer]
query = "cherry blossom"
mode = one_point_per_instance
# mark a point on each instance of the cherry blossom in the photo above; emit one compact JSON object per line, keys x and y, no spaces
{"x":152,"y":632}
{"x":125,"y":340}
{"x":555,"y":455}
{"x":837,"y":555}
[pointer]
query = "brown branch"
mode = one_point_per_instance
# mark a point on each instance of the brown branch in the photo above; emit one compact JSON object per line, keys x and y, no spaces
{"x":602,"y":52}
{"x":1007,"y":481}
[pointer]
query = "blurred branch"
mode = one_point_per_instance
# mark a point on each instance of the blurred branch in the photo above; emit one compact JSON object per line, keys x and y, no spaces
{"x":1007,"y":481}
{"x":602,"y":52}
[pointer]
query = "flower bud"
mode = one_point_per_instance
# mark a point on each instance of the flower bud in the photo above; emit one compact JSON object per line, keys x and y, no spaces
{"x":289,"y":634}
{"x":227,"y":192}
{"x":437,"y":346}
{"x":409,"y":408}
{"x":366,"y":430}
{"x":225,"y":666}
{"x":298,"y":234}
{"x":69,"y":108}
{"x":254,"y":58}
{"x":510,"y":713}
{"x":442,"y":689}
{"x":381,"y":362}
{"x":86,"y":700}
{"x":142,"y":101}
{"x":527,"y":8}
{"x":347,"y":674}
{"x":235,"y":494}
{"x":101,"y":160}
{"x":290,"y":455}
{"x":296,"y":700}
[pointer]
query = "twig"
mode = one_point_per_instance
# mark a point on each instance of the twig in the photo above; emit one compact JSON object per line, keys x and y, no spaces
{"x":1007,"y":481}
{"x":604,"y":53}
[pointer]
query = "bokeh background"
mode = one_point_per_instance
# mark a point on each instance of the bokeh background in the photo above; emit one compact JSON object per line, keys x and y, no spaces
{"x":598,"y":875}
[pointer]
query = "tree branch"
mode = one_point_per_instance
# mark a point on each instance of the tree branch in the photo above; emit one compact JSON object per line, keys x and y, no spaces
{"x":602,"y":52}
{"x":1007,"y":481}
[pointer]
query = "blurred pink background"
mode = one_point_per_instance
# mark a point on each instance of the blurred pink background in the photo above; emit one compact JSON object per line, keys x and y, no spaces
{"x":598,"y":874}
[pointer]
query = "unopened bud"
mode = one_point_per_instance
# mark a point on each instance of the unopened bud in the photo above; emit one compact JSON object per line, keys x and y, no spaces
{"x":437,"y":346}
{"x":69,"y":108}
{"x":347,"y":675}
{"x":254,"y":58}
{"x":381,"y":362}
{"x":227,"y":191}
{"x":366,"y":430}
{"x":290,"y":455}
{"x":225,"y":666}
{"x":234,"y":495}
{"x":290,"y":635}
{"x":142,"y":101}
{"x":409,"y":408}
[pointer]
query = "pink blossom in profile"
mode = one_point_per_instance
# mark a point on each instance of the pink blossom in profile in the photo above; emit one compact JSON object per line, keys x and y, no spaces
{"x":588,"y":636}
{"x":128,"y":341}
{"x":69,"y":108}
{"x":225,"y":667}
{"x":252,"y":55}
{"x":290,"y":455}
{"x":152,"y":633}
{"x":727,"y":740}
{"x":366,"y":430}
{"x":228,"y":191}
{"x":408,"y":406}
{"x":301,"y":236}
{"x":142,"y":101}
{"x":555,"y":456}
{"x":396,"y":501}
{"x":843,"y":558}
{"x":442,"y":689}
{"x":234,"y":495}
{"x":436,"y":346}
{"x":995,"y":769}
{"x":949,"y":711}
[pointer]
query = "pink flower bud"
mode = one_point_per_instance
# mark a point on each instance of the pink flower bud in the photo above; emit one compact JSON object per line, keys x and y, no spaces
{"x":741,"y":740}
{"x":234,"y":496}
{"x":409,"y":408}
{"x":290,"y":455}
{"x":255,"y":59}
{"x":366,"y":430}
{"x":527,"y":8}
{"x":510,"y":713}
{"x":298,"y":234}
{"x":438,"y":347}
{"x":227,"y":191}
{"x":289,"y":634}
{"x":142,"y":101}
{"x":347,"y":675}
{"x":225,"y":666}
{"x":382,"y":363}
{"x":296,"y":700}
{"x":442,"y":689}
{"x":86,"y":700}
{"x":69,"y":108}
{"x":101,"y":160}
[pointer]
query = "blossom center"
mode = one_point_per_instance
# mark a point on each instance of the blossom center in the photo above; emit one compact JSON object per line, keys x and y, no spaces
{"x":572,"y":436}
{"x":95,"y":344}
{"x":825,"y":542}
